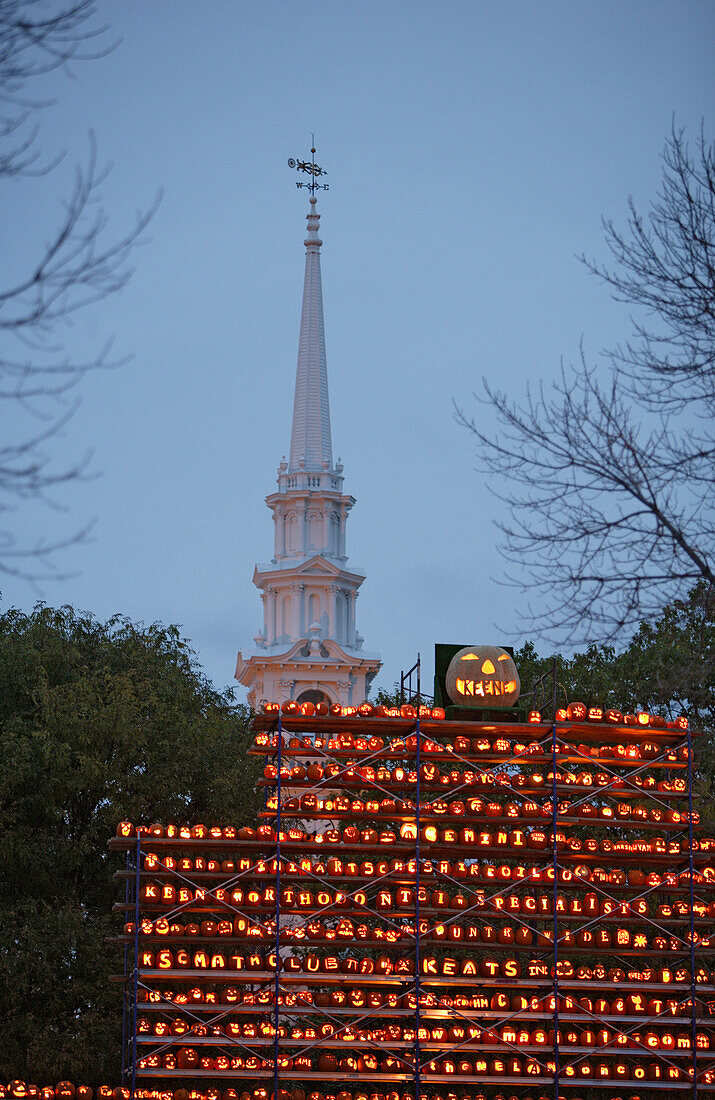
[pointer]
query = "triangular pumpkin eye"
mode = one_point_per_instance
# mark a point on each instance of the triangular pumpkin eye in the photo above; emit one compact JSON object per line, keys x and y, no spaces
{"x":488,"y":667}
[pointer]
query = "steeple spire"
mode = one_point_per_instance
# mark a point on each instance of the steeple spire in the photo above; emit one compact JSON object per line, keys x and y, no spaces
{"x":308,"y":647}
{"x":310,"y":442}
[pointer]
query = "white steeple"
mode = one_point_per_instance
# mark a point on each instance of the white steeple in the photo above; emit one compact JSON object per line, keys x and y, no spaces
{"x":309,"y":645}
{"x":310,"y":444}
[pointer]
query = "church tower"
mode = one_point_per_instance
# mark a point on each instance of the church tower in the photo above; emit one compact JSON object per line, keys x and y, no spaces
{"x":309,"y":647}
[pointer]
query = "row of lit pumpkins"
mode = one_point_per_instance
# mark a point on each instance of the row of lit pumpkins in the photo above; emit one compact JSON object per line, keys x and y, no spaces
{"x":474,"y":747}
{"x":535,"y":906}
{"x":458,"y":1066}
{"x":465,"y":746}
{"x":447,"y":836}
{"x":19,"y":1090}
{"x":660,"y":1009}
{"x":306,"y":900}
{"x":63,"y":1090}
{"x":363,"y":710}
{"x":392,"y":809}
{"x":446,"y":967}
{"x":463,"y":1034}
{"x":574,"y":712}
{"x":335,"y":867}
{"x":266,"y":836}
{"x":335,"y":776}
{"x":471,"y":936}
{"x":126,"y":830}
{"x":311,"y":897}
{"x":574,"y":1007}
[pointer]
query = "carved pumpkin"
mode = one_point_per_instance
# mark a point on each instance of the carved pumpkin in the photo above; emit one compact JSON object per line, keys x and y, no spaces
{"x":482,"y":676}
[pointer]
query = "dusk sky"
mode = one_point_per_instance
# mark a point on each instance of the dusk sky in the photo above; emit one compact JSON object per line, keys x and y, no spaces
{"x":471,"y":149}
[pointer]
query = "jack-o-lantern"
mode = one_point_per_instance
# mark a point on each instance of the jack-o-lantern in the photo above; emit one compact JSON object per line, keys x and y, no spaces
{"x":482,"y":676}
{"x":577,"y":712}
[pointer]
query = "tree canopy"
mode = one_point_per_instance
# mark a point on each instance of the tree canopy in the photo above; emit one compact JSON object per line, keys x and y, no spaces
{"x":98,"y":722}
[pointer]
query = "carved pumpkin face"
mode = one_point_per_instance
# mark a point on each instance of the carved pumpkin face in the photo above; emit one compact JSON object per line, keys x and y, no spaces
{"x":482,"y":676}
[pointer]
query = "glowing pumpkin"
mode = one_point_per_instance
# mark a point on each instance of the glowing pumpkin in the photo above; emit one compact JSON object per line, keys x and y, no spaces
{"x":482,"y":676}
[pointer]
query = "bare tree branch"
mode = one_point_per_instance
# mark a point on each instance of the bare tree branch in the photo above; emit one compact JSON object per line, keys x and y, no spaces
{"x":79,"y":266}
{"x":607,"y":476}
{"x":665,"y":266}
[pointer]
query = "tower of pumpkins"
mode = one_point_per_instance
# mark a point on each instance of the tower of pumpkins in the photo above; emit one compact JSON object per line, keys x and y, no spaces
{"x":431,"y":908}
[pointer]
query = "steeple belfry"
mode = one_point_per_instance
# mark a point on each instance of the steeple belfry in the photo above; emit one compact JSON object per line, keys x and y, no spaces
{"x":308,"y":647}
{"x":310,"y":442}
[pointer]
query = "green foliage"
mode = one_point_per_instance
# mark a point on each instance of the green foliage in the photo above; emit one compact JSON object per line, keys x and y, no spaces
{"x":385,"y":698}
{"x":98,"y":722}
{"x":667,"y":667}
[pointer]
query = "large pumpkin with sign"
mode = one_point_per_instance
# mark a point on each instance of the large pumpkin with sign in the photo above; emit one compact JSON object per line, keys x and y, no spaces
{"x":482,"y":676}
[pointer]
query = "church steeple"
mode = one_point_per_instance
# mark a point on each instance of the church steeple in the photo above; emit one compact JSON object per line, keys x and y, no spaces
{"x":309,"y":647}
{"x":310,"y":442}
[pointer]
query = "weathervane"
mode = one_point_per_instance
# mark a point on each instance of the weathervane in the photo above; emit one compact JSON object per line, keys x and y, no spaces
{"x":314,"y":170}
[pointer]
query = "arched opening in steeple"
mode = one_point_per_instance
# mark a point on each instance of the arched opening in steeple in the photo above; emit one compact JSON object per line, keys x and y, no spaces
{"x":315,"y":525}
{"x":312,"y":695}
{"x":291,"y":532}
{"x":334,"y":541}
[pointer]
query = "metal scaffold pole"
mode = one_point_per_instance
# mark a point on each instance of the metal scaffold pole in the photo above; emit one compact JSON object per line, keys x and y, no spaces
{"x":135,"y":975}
{"x":277,"y":983}
{"x":691,"y":878}
{"x":125,"y":987}
{"x":418,"y":859}
{"x":555,"y":865}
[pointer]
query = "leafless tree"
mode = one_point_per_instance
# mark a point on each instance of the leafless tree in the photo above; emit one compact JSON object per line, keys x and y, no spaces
{"x":78,"y":266}
{"x":608,"y":473}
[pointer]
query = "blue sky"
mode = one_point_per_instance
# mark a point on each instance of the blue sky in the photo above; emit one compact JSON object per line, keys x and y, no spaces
{"x":471,"y":150}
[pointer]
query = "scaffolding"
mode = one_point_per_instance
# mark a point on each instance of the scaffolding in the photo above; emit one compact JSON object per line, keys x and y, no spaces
{"x":431,"y":908}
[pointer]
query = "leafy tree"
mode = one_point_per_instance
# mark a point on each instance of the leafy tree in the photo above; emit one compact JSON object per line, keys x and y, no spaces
{"x":610,"y":468}
{"x":664,"y":669}
{"x":98,"y":722}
